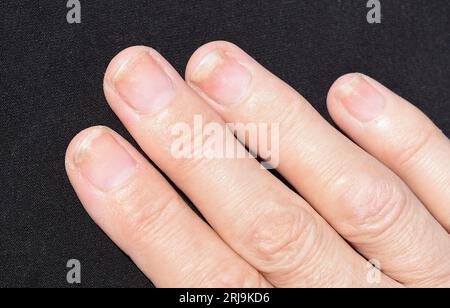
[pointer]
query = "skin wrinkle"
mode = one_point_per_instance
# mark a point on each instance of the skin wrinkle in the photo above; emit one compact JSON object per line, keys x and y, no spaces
{"x":298,"y":248}
{"x":411,"y":151}
{"x":373,"y":208}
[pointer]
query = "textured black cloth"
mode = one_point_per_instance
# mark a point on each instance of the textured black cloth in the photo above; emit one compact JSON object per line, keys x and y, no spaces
{"x":51,"y":88}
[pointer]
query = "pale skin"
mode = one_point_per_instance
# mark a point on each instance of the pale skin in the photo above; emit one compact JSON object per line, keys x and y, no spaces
{"x":382,"y":192}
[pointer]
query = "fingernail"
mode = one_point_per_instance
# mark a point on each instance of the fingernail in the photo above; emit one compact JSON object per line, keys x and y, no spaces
{"x":361,"y":99}
{"x":143,"y":84}
{"x":103,"y":161}
{"x":222,"y":78}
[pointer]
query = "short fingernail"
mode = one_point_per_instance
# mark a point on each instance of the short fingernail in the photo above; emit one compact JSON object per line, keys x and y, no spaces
{"x":222,"y":78}
{"x":103,"y":161}
{"x":361,"y":99}
{"x":143,"y":84}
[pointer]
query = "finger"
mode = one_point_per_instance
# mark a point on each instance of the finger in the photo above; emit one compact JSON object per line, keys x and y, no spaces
{"x":139,"y":211}
{"x":266,"y":223}
{"x":362,"y":199}
{"x":399,"y":135}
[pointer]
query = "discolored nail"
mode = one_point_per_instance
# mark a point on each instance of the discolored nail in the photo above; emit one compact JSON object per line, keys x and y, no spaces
{"x":361,"y":99}
{"x":222,"y":78}
{"x":143,"y":84}
{"x":103,"y":161}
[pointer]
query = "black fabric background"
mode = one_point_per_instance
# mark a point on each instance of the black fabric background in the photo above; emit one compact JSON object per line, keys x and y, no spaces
{"x":51,"y":88}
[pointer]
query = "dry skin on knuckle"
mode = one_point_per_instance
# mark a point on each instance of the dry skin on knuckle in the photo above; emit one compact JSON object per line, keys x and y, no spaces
{"x":282,"y":238}
{"x":371,"y":206}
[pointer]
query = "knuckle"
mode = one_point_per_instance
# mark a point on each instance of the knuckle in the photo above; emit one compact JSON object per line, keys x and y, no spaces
{"x":283,"y":238}
{"x":371,"y":206}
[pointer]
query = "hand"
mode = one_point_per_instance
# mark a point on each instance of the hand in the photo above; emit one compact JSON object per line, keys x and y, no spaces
{"x":385,"y":197}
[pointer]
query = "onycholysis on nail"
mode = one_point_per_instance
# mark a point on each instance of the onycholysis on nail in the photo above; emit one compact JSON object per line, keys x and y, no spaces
{"x":103,"y":161}
{"x":143,"y":84}
{"x":361,"y":99}
{"x":222,"y":78}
